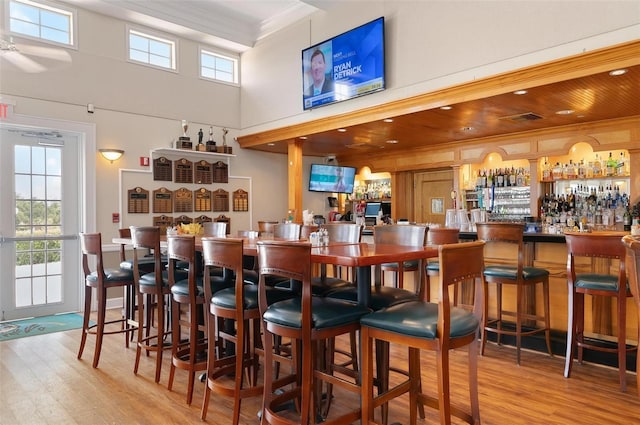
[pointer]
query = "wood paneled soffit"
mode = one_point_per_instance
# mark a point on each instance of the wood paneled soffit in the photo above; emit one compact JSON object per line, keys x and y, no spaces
{"x":613,"y":134}
{"x":581,"y":82}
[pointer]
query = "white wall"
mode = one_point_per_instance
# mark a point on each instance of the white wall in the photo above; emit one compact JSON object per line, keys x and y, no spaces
{"x":138,"y":109}
{"x":429,"y":45}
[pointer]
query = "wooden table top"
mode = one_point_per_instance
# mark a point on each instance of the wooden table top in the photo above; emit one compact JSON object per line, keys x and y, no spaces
{"x":343,"y":254}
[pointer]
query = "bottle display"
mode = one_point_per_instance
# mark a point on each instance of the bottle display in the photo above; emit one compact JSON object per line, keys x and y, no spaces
{"x":584,"y":207}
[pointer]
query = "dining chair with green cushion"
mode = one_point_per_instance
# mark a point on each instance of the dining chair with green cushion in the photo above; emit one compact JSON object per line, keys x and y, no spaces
{"x":632,"y":244}
{"x":424,"y":326}
{"x":513,"y":271}
{"x":306,"y":320}
{"x":591,"y":270}
{"x":101,"y":279}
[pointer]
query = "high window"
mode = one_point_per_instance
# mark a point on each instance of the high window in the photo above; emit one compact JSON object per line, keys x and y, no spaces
{"x":42,"y":21}
{"x":152,"y":50}
{"x":218,"y":67}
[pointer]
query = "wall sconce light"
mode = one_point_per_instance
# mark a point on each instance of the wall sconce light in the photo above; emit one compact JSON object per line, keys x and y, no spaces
{"x":111,"y":154}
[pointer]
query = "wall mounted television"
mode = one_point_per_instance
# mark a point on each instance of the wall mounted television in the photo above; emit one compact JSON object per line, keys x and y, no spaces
{"x":331,"y":178}
{"x":346,"y":66}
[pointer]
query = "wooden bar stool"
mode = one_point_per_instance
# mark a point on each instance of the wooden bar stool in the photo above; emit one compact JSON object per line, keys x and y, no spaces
{"x":518,"y":275}
{"x":152,"y":289}
{"x":101,"y":279}
{"x":429,"y":326}
{"x":238,"y":304}
{"x":633,"y":266}
{"x":438,"y":236}
{"x":306,"y":320}
{"x":188,"y":354}
{"x":401,"y":235}
{"x":596,"y":279}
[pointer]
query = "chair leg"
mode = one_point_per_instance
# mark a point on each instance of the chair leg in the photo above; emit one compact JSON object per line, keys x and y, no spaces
{"x":444,"y":398}
{"x":473,"y":382}
{"x":102,"y":306}
{"x":160,"y":335}
{"x":571,"y":331}
{"x":547,"y":318}
{"x":622,"y":342}
{"x":485,"y":316}
{"x":85,"y":318}
{"x":519,"y":312}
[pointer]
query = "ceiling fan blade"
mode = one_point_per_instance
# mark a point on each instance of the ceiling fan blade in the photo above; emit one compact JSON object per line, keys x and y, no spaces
{"x":58,"y":54}
{"x":22,"y":62}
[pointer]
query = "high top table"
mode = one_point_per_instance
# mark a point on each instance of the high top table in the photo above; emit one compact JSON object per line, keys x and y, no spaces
{"x":359,"y":255}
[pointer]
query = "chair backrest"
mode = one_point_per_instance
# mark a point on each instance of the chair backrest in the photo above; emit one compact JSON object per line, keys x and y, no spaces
{"x":442,"y":235}
{"x":250,"y":234}
{"x":286,"y":259}
{"x":266,"y":226}
{"x":287,"y":231}
{"x":511,"y":233}
{"x":217,"y":229}
{"x":409,"y":235}
{"x":607,"y":245}
{"x":632,"y":245}
{"x":459,"y":262}
{"x":183,"y":248}
{"x":227,"y":254}
{"x":146,"y":237}
{"x":91,"y":246}
{"x":344,"y":232}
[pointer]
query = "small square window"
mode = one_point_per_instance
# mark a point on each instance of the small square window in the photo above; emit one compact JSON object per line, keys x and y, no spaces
{"x":152,"y":50}
{"x":218,"y":67}
{"x":42,"y":21}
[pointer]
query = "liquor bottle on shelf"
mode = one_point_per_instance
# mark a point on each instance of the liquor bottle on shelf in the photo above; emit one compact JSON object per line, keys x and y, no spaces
{"x":612,"y":165}
{"x":597,"y":167}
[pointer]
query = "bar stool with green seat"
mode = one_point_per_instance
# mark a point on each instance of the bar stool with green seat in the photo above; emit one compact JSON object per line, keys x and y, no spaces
{"x":438,"y":236}
{"x":401,"y":235}
{"x":152,"y":289}
{"x":306,"y":320}
{"x":101,"y":279}
{"x":522,"y":277}
{"x":596,"y":277}
{"x":239,"y":304}
{"x":438,"y":327}
{"x":188,"y":354}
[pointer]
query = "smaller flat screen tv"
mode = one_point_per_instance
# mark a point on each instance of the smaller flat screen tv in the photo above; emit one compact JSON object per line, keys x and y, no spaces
{"x":372,"y":209}
{"x":331,"y":178}
{"x":346,"y":66}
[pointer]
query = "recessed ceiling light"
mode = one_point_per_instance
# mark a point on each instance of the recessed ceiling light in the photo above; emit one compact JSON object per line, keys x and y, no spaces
{"x":342,"y":130}
{"x":467,"y":128}
{"x":446,"y":108}
{"x":303,"y":137}
{"x":388,"y":120}
{"x":565,"y":112}
{"x":520,"y":92}
{"x":271,"y":144}
{"x":617,"y":72}
{"x":392,"y":142}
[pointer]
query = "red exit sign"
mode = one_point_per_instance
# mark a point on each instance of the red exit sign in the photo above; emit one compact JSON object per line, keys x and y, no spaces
{"x":3,"y":110}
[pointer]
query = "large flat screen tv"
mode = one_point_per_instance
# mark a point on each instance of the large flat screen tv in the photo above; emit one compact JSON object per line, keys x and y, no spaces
{"x":331,"y":178}
{"x":343,"y":67}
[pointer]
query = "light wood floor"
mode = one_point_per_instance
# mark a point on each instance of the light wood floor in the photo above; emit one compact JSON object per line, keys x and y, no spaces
{"x":42,"y":382}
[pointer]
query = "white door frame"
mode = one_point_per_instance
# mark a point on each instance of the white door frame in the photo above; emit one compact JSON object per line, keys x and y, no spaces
{"x":86,"y":133}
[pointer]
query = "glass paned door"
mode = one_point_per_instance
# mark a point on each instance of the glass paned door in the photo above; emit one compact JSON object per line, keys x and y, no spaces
{"x":39,"y":237}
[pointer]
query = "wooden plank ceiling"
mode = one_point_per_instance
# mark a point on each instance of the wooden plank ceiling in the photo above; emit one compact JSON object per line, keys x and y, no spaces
{"x":592,"y":98}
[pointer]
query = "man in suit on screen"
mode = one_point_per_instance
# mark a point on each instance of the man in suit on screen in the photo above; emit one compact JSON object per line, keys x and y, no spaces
{"x":322,"y":82}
